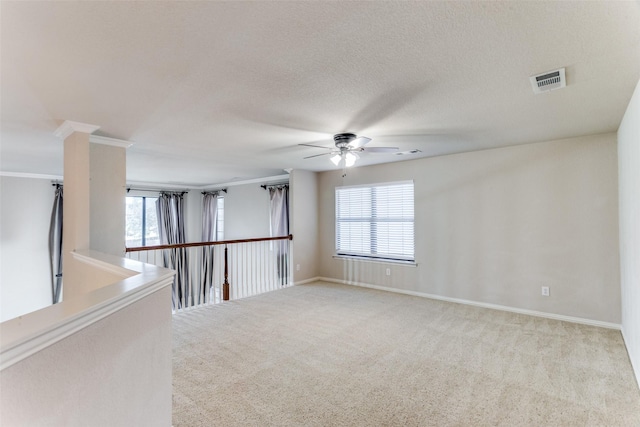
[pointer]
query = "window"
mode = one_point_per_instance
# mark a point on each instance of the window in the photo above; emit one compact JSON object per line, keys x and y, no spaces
{"x":376,"y":221}
{"x":141,"y":222}
{"x":220,"y":219}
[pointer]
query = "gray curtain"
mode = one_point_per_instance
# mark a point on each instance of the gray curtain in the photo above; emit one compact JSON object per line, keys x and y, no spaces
{"x":279,"y":214}
{"x":209,"y":234}
{"x":170,"y":210}
{"x":55,"y":246}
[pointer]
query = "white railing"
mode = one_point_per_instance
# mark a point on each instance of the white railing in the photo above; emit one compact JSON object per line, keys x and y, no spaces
{"x":211,"y":272}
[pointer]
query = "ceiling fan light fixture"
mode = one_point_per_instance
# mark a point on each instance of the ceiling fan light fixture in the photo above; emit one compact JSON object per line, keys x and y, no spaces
{"x":350,"y":159}
{"x":336,"y":159}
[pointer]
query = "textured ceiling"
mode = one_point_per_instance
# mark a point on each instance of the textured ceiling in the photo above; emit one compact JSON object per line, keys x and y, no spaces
{"x":211,"y":92}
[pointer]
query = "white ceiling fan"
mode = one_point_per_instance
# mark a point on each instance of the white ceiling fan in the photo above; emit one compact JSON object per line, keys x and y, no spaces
{"x":348,"y":145}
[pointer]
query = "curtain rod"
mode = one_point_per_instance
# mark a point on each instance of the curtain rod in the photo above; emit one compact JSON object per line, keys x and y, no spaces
{"x":156,"y":190}
{"x":267,"y":186}
{"x":214,"y":191}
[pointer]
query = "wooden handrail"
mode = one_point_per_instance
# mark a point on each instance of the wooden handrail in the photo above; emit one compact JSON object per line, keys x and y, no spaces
{"x":196,"y":244}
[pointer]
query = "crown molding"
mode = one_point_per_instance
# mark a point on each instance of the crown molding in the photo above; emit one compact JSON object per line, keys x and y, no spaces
{"x":30,"y":175}
{"x":156,"y":185}
{"x":264,"y":180}
{"x":96,"y":139}
{"x":69,"y":126}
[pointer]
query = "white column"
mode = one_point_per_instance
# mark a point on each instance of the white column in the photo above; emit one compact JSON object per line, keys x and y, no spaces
{"x":76,"y":207}
{"x":94,"y":200}
{"x":108,"y":193}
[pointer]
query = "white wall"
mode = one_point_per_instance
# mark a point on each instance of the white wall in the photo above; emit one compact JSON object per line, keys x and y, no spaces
{"x":494,"y":226}
{"x":246,"y":212}
{"x":25,"y":280}
{"x":303,"y":197}
{"x":115,"y":372}
{"x":629,"y":188}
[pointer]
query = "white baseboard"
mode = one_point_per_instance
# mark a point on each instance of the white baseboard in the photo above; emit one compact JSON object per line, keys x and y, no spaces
{"x":535,"y":313}
{"x":302,"y":282}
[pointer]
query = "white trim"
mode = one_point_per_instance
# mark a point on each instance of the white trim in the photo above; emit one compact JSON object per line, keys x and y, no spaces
{"x":207,"y":187}
{"x":110,"y":141}
{"x":302,"y":282}
{"x":116,"y":270}
{"x":378,"y":184}
{"x":535,"y":313}
{"x":159,"y":187}
{"x":30,"y":175}
{"x":69,"y":126}
{"x":376,"y":260}
{"x":247,"y":181}
{"x":26,"y":335}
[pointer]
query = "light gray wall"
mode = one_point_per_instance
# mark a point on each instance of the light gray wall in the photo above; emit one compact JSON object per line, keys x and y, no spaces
{"x":246,"y":212}
{"x":193,"y":216}
{"x":108,"y":192}
{"x":303,"y":197}
{"x":76,"y":223}
{"x":25,"y":280}
{"x":494,"y":226}
{"x":629,"y":187}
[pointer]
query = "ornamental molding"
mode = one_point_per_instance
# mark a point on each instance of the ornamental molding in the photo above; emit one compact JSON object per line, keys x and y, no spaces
{"x":69,"y":127}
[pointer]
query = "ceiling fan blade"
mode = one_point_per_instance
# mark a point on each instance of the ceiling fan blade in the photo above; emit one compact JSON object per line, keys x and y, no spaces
{"x":359,"y":142}
{"x":317,"y":155}
{"x":381,"y":149}
{"x":316,"y":146}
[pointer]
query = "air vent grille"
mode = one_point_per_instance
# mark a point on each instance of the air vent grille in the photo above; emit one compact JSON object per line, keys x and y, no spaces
{"x":548,"y":81}
{"x":402,"y":153}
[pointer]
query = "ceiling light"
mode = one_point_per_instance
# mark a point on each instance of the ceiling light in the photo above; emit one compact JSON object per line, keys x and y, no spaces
{"x":350,"y":159}
{"x":336,"y":159}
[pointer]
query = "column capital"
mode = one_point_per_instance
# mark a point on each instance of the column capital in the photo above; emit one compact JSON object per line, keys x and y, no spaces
{"x":110,"y":141}
{"x":68,"y":127}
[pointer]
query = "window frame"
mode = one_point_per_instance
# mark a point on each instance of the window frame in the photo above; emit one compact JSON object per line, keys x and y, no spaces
{"x":143,"y":222}
{"x":220,"y":219}
{"x":406,"y":254}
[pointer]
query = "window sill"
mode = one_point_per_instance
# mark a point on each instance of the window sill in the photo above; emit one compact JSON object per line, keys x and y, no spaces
{"x":377,"y":260}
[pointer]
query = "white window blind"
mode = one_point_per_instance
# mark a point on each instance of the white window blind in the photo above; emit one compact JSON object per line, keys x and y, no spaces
{"x":376,"y":221}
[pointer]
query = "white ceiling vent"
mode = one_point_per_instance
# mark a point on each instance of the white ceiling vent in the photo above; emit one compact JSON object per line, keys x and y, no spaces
{"x":548,"y":81}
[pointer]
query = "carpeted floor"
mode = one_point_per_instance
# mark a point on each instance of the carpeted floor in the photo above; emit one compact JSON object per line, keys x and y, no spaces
{"x":332,"y":355}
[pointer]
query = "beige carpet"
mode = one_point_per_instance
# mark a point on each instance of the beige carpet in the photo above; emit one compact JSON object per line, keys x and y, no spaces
{"x":332,"y":355}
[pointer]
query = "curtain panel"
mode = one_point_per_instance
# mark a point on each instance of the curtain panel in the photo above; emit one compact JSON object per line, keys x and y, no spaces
{"x":279,"y":216}
{"x":55,"y":246}
{"x":170,"y":211}
{"x":209,"y":234}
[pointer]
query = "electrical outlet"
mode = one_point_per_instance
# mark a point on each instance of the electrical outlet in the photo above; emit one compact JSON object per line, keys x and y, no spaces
{"x":388,"y":272}
{"x":545,"y":291}
{"x":297,"y":267}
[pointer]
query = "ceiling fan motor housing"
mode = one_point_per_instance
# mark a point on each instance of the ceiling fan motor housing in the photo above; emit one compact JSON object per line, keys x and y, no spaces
{"x":343,"y":139}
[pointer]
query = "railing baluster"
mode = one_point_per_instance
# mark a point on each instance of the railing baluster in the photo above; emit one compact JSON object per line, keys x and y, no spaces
{"x":225,"y":286}
{"x":253,"y":266}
